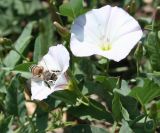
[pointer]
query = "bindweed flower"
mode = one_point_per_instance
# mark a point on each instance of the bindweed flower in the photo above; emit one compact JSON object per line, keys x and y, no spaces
{"x":50,"y":73}
{"x":109,"y":31}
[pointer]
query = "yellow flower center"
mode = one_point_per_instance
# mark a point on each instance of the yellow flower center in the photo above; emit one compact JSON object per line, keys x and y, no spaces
{"x":106,"y":47}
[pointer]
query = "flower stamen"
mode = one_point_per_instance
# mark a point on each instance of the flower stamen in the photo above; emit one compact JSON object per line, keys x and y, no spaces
{"x":106,"y":46}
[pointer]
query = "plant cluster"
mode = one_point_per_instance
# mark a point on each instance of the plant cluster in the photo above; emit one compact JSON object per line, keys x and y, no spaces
{"x":79,"y":66}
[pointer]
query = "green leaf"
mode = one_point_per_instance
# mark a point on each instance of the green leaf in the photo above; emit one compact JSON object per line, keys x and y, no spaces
{"x":14,"y":101}
{"x":44,"y":39}
{"x":159,"y":35}
{"x":148,"y":27}
{"x":118,"y":110}
{"x":37,"y":49}
{"x":131,"y":105}
{"x":5,"y":123}
{"x":145,"y":93}
{"x":124,"y":90}
{"x":116,"y":107}
{"x":2,"y":82}
{"x":82,"y":67}
{"x":103,"y":61}
{"x":66,"y":96}
{"x":155,"y":111}
{"x":71,"y":9}
{"x":41,"y":120}
{"x":87,"y":129}
{"x":108,"y":82}
{"x":152,"y":46}
{"x":27,"y":7}
{"x":23,"y":67}
{"x":100,"y":90}
{"x":5,"y":3}
{"x":125,"y":113}
{"x":20,"y":45}
{"x":94,"y":110}
{"x":23,"y":74}
{"x":125,"y":128}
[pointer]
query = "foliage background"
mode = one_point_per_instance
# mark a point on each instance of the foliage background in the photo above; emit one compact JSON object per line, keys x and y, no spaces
{"x":124,"y":96}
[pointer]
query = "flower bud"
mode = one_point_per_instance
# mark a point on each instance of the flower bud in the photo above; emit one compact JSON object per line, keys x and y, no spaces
{"x":156,"y":22}
{"x":5,"y":41}
{"x":139,"y":51}
{"x":61,"y":30}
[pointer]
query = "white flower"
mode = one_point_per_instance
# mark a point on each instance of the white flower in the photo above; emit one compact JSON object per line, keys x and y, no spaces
{"x":56,"y":61}
{"x":108,"y":31}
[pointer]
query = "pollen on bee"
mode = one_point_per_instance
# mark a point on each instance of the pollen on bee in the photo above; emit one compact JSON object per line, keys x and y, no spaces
{"x":106,"y":46}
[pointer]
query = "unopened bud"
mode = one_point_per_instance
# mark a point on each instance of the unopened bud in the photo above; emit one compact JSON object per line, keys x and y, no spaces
{"x":131,"y":7}
{"x":157,"y":14}
{"x":139,"y":51}
{"x":5,"y":41}
{"x":153,"y":111}
{"x":61,"y":30}
{"x":156,"y":22}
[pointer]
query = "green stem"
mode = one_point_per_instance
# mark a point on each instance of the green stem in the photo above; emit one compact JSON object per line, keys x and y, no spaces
{"x":82,"y":99}
{"x":54,"y":10}
{"x":32,"y":125}
{"x":145,"y":120}
{"x":94,"y":106}
{"x":114,"y":127}
{"x":137,"y":68}
{"x":107,"y":66}
{"x":145,"y":110}
{"x":143,"y":106}
{"x":136,"y":120}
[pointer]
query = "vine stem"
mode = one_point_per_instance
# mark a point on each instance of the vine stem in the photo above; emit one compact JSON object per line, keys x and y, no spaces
{"x":107,"y":66}
{"x":114,"y":127}
{"x":82,"y":99}
{"x":53,"y":9}
{"x":136,"y":119}
{"x":137,"y":68}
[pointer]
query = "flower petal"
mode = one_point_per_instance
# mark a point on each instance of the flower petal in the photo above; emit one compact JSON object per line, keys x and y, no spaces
{"x":81,"y":48}
{"x":122,"y":46}
{"x":56,"y":59}
{"x":39,"y":90}
{"x":61,"y":82}
{"x":119,"y":24}
{"x":88,"y":30}
{"x":106,"y":25}
{"x":49,"y":63}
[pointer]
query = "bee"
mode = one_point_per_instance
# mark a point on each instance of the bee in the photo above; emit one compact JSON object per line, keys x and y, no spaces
{"x":49,"y":77}
{"x":36,"y":70}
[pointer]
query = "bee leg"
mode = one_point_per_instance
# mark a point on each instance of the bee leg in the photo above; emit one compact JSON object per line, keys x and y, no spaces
{"x":52,"y":82}
{"x":48,"y":85}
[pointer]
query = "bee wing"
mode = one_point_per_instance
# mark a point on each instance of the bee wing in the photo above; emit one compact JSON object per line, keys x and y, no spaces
{"x":36,"y":78}
{"x":31,"y":67}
